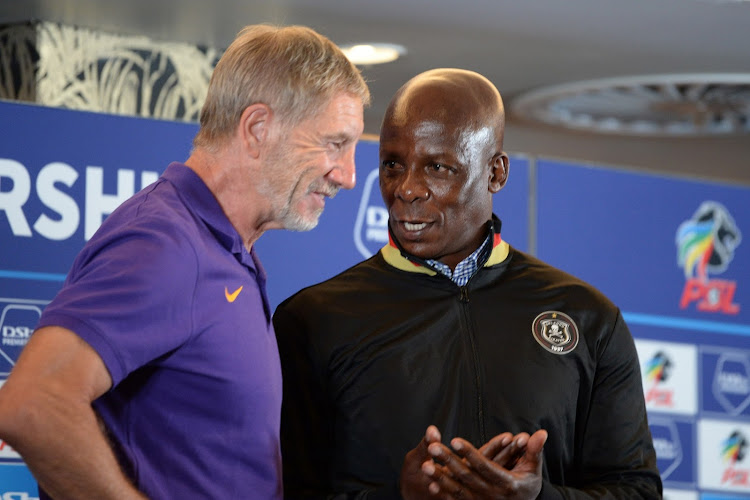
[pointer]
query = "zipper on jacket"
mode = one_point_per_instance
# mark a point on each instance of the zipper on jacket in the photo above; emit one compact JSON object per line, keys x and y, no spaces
{"x":464,"y":299}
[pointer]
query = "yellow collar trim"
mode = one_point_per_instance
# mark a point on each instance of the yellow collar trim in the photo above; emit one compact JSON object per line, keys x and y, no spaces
{"x":393,"y":256}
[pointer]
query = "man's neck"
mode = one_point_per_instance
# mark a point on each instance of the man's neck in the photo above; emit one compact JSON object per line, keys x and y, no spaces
{"x":228,"y":176}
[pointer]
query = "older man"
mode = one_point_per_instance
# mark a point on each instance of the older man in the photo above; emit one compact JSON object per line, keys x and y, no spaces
{"x":451,"y":365}
{"x":155,"y":372}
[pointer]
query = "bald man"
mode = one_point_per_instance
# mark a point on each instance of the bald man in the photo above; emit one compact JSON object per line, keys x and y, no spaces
{"x":451,"y":365}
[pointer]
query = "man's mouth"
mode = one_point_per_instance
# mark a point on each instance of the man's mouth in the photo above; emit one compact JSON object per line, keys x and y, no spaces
{"x":324,"y":189}
{"x":328,"y":193}
{"x":414,"y":226}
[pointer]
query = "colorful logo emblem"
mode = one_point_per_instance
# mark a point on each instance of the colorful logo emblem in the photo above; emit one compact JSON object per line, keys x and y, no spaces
{"x":705,"y":246}
{"x":555,"y":331}
{"x":733,"y":448}
{"x":658,"y":368}
{"x":657,"y":371}
{"x":732,"y":454}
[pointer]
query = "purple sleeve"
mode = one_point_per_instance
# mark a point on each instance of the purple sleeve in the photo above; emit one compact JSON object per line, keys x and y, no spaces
{"x":129,"y":296}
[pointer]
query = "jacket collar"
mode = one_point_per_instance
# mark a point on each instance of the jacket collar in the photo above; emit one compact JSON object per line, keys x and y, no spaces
{"x":396,"y":256}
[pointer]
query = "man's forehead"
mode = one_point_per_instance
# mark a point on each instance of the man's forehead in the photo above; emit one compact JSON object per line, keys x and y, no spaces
{"x":439,"y":111}
{"x":344,"y":109}
{"x":424,"y":132}
{"x":428,"y":128}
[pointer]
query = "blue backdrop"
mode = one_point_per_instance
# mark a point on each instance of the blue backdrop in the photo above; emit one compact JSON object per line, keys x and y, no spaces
{"x":667,"y":250}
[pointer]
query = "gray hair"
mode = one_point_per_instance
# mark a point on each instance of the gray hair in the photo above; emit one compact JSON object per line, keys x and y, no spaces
{"x":293,"y":69}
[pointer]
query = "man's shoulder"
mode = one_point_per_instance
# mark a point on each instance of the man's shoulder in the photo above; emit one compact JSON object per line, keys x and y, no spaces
{"x":343,"y":284}
{"x":150,"y":225}
{"x":157,"y":207}
{"x":532,"y":270}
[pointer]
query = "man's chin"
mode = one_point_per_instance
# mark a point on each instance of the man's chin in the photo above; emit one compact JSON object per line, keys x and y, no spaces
{"x":301,"y":223}
{"x":417,"y":249}
{"x":411,"y":239}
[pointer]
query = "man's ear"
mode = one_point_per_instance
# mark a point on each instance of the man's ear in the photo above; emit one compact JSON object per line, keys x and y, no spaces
{"x":498,"y":172}
{"x":254,"y":127}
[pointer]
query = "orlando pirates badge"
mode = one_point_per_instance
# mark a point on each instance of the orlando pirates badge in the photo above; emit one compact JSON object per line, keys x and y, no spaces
{"x":555,"y":331}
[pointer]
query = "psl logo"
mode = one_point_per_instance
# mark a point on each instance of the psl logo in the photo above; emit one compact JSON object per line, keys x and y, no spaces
{"x":733,"y":452}
{"x":733,"y":448}
{"x":705,"y":245}
{"x":657,"y":370}
{"x":371,"y":226}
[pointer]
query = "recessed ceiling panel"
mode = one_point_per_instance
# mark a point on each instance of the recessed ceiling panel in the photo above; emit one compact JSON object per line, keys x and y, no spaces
{"x":704,"y":104}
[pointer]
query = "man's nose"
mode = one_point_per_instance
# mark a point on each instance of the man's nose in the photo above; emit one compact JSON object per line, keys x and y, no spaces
{"x":411,"y":186}
{"x":344,"y":173}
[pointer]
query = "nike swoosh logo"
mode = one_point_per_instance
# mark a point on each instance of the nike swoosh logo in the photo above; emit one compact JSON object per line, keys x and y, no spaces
{"x":231,"y":296}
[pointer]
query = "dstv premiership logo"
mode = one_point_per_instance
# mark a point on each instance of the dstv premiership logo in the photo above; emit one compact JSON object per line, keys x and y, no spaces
{"x":705,"y":245}
{"x":18,"y":317}
{"x":731,"y":382}
{"x":17,"y":322}
{"x":371,"y":226}
{"x":667,"y":445}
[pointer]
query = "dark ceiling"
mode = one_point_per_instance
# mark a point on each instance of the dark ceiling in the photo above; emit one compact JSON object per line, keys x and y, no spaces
{"x":519,"y":45}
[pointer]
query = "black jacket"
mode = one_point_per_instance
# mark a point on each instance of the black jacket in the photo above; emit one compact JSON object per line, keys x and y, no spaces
{"x":373,"y":356}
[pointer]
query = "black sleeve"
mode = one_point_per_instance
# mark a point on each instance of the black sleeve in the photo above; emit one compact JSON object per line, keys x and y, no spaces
{"x":308,"y":419}
{"x":616,"y":454}
{"x":305,"y":414}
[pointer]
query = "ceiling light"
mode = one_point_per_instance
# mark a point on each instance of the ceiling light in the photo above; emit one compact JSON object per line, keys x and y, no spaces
{"x":702,"y":104}
{"x":373,"y":53}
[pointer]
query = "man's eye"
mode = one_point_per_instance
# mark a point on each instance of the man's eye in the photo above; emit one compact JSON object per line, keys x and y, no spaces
{"x":439,"y":167}
{"x":388,"y":164}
